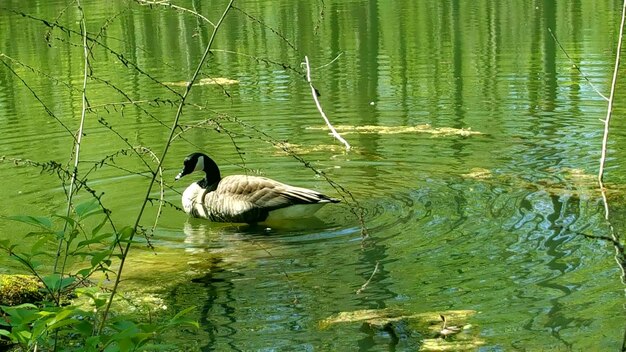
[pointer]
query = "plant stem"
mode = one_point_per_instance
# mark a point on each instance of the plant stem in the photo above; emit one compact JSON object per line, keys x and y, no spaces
{"x":154,"y":175}
{"x":79,"y":137}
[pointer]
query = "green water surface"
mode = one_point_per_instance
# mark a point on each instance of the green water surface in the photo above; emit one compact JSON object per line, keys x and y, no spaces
{"x":475,"y":144}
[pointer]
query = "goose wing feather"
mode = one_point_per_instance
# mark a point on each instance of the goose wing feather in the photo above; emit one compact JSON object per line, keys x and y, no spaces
{"x":265,"y":193}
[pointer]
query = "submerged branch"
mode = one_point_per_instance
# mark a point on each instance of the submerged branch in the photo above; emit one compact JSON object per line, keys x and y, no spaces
{"x":364,"y":286}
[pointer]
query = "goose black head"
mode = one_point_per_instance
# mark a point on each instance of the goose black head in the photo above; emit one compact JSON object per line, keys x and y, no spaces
{"x":199,"y":162}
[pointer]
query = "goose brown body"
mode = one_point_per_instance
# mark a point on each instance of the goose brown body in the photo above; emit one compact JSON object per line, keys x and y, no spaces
{"x":243,"y":198}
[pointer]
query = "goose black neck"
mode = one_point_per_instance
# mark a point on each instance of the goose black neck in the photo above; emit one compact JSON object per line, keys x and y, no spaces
{"x":211,"y":172}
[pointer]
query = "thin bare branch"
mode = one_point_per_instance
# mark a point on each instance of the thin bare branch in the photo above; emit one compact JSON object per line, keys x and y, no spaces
{"x":39,"y":72}
{"x":331,"y":61}
{"x":267,"y":27}
{"x":576,"y":65}
{"x":260,"y":59}
{"x":609,"y":109}
{"x":120,"y":57}
{"x":364,"y":286}
{"x":48,"y":111}
{"x":170,"y":5}
{"x":163,"y":155}
{"x":319,"y":106}
{"x":619,"y":256}
{"x":79,"y":137}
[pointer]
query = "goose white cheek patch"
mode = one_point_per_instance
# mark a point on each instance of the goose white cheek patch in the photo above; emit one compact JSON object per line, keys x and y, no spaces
{"x":199,"y":164}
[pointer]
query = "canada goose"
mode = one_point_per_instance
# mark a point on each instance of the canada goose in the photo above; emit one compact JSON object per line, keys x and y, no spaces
{"x":242,"y":198}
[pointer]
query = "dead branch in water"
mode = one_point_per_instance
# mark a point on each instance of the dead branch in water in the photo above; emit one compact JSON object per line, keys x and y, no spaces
{"x":368,"y":280}
{"x":620,"y":257}
{"x":319,"y":106}
{"x":609,"y":109}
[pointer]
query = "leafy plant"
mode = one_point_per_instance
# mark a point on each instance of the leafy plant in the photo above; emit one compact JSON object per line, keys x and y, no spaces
{"x":74,"y":327}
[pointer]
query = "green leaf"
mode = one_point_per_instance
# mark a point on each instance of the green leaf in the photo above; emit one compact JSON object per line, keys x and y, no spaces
{"x":56,"y":283}
{"x":51,"y":281}
{"x":88,"y":208}
{"x":39,"y":221}
{"x":5,"y":333}
{"x":85,"y":328}
{"x":180,"y":318}
{"x":98,"y":257}
{"x":126,"y":233}
{"x":60,"y":316}
{"x":71,"y":222}
{"x":43,"y":234}
{"x":125,"y":344}
{"x":36,"y":247}
{"x":66,"y":281}
{"x":83,"y":272}
{"x":7,"y":246}
{"x":22,"y":314}
{"x":91,"y":343}
{"x":62,"y":323}
{"x":19,"y":306}
{"x":97,"y":239}
{"x":24,"y":335}
{"x":97,"y":228}
{"x":86,"y":291}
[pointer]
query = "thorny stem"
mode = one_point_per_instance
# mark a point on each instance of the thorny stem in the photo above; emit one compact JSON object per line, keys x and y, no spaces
{"x":154,"y":175}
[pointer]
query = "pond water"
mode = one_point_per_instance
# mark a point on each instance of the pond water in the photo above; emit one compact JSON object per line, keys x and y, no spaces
{"x":475,"y":145}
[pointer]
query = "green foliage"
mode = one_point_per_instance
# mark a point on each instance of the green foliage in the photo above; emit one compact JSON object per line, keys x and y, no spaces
{"x":74,"y":327}
{"x":76,"y":243}
{"x":52,"y":321}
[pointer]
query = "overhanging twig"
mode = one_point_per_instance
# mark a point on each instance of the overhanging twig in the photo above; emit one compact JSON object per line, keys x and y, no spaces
{"x":576,"y":65}
{"x":319,"y":106}
{"x":179,"y":8}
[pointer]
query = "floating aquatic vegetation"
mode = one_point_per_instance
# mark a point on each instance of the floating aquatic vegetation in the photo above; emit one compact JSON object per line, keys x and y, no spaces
{"x":478,"y":173}
{"x":432,"y":329}
{"x":425,"y":128}
{"x":557,"y":181}
{"x":306,"y":149}
{"x":205,"y":82}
